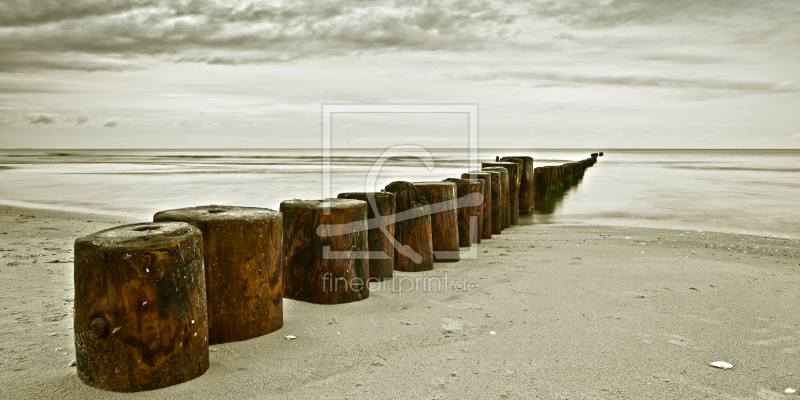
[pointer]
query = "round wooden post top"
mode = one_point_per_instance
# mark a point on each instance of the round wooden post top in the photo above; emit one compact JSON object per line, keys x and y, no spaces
{"x":216,"y":212}
{"x":334,"y":204}
{"x":363,"y":195}
{"x":466,"y":187}
{"x":384,"y":201}
{"x":406,"y":196}
{"x":513,"y":169}
{"x":433,"y":183}
{"x":142,"y":236}
{"x":477,"y":175}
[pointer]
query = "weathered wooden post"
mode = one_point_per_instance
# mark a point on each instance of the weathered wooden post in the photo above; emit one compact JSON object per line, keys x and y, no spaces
{"x":600,"y":154}
{"x":412,"y":227}
{"x":505,"y":204}
{"x":324,"y":255}
{"x":552,"y":177}
{"x":242,"y":253}
{"x":441,"y":197}
{"x":470,"y":211}
{"x":496,"y":210}
{"x":140,"y":307}
{"x":486,"y":207}
{"x":560,"y":179}
{"x":526,"y":185}
{"x":541,"y":175}
{"x":380,"y":268}
{"x":570,"y":174}
{"x":513,"y":187}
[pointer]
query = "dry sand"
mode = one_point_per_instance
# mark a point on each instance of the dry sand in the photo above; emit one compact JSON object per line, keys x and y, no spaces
{"x":593,"y":312}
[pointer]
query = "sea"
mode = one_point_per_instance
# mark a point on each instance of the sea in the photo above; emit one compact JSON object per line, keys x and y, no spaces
{"x":738,"y":191}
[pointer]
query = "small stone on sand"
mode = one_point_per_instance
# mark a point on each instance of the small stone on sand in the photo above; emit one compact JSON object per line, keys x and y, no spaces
{"x":721,"y":364}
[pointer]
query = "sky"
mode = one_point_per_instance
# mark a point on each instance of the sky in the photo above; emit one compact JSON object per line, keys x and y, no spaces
{"x":544,"y":74}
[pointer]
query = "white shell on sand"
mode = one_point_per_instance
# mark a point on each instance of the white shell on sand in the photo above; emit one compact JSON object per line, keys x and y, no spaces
{"x":721,"y":364}
{"x":790,"y":391}
{"x":492,"y":333}
{"x":290,"y":337}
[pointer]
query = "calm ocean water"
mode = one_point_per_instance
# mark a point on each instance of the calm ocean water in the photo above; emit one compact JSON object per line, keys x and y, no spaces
{"x":742,"y":191}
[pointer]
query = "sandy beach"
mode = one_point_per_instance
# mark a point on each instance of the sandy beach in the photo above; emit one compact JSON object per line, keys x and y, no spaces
{"x":576,"y":311}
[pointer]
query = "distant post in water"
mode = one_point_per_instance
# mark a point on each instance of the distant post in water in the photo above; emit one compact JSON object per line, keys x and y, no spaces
{"x":412,"y":226}
{"x":140,"y":307}
{"x":379,"y":268}
{"x":441,"y":197}
{"x":541,"y":177}
{"x":324,"y":256}
{"x":486,"y":207}
{"x":243,"y":262}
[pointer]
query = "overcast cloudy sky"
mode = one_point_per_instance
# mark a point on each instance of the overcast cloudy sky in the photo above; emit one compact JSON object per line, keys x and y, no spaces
{"x":561,"y":73}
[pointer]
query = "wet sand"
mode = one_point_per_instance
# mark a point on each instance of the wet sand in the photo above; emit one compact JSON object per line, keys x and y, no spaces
{"x":578,"y":312}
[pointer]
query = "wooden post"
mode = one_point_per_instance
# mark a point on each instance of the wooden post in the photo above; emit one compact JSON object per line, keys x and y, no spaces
{"x":526,"y":185}
{"x":496,"y":210}
{"x":412,"y":228}
{"x":516,"y":199}
{"x":505,"y":204}
{"x":559,"y":179}
{"x":486,"y":207}
{"x":242,"y":253}
{"x":552,"y":181}
{"x":540,"y":182}
{"x":468,"y":210}
{"x":321,"y":256}
{"x":140,"y":307}
{"x":379,"y":268}
{"x":513,"y":187}
{"x":600,"y":154}
{"x":441,"y":197}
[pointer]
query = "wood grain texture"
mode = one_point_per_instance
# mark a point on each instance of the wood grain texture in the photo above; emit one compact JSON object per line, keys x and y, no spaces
{"x":496,"y":201}
{"x":412,"y":229}
{"x":513,"y":187}
{"x":468,"y":232}
{"x":505,"y":197}
{"x":486,"y":206}
{"x":243,"y":262}
{"x":526,"y":184}
{"x":444,"y":222}
{"x":541,"y":176}
{"x":140,"y":307}
{"x":311,"y":274}
{"x":379,"y":268}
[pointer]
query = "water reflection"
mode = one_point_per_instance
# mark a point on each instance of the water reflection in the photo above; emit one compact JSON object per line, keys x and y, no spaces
{"x":545,"y":211}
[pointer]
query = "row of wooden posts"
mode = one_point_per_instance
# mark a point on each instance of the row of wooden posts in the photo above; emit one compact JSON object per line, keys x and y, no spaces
{"x":151,"y":297}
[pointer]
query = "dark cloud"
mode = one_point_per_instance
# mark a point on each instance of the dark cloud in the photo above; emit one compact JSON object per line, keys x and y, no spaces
{"x":21,"y":61}
{"x":555,"y":78}
{"x":40,"y":118}
{"x":113,"y":122}
{"x":33,"y":12}
{"x":593,"y":13}
{"x":35,"y":33}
